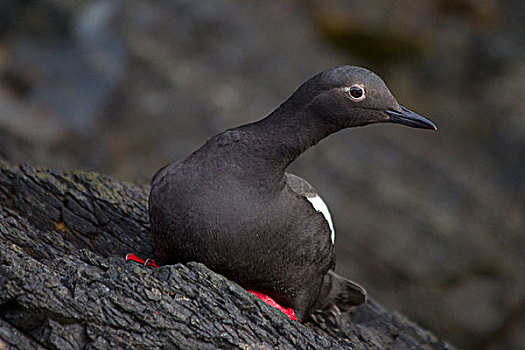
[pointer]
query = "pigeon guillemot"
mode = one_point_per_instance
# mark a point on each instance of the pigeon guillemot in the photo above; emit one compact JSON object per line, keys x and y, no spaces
{"x":232,"y":206}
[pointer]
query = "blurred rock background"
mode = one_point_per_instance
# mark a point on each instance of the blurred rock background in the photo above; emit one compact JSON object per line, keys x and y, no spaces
{"x":432,"y":224}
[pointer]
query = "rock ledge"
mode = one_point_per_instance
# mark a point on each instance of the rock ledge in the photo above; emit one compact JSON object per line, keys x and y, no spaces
{"x":65,"y":285}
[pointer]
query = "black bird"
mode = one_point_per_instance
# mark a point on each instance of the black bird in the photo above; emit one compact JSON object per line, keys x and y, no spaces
{"x":232,"y":206}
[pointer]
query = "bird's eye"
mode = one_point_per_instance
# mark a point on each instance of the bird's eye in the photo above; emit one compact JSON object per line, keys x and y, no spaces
{"x":357,"y":92}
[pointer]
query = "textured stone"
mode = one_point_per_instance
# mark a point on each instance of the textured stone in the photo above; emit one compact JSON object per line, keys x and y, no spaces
{"x":66,"y":287}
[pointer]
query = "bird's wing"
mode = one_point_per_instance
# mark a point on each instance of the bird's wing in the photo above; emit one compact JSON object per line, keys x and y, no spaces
{"x":303,"y":188}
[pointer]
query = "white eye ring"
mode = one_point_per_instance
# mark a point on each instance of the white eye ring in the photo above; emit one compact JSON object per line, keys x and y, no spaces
{"x":357,"y":92}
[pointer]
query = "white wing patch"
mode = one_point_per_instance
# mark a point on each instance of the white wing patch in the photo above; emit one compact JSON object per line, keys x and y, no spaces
{"x":319,"y":205}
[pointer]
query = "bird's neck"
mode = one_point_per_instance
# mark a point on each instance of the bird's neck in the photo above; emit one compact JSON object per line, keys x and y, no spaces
{"x":286,"y":133}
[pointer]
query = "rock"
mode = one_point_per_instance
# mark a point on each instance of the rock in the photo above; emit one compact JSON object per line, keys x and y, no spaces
{"x":65,"y":283}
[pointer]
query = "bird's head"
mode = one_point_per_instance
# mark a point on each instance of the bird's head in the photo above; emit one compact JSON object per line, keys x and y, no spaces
{"x":351,"y":96}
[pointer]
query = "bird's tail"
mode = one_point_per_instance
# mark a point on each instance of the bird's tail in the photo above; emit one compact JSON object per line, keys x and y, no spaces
{"x":337,"y":296}
{"x":340,"y":292}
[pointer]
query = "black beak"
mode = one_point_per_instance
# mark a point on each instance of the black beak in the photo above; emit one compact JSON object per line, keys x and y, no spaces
{"x":406,"y":117}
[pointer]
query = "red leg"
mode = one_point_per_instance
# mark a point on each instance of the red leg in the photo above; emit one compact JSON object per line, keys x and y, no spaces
{"x":147,"y":262}
{"x":269,"y":300}
{"x":266,"y":298}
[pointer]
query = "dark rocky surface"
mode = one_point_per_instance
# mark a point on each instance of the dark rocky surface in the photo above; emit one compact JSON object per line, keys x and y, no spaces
{"x":432,"y":225}
{"x":65,"y":285}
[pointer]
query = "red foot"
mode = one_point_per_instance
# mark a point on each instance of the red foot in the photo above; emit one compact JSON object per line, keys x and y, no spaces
{"x":266,"y":298}
{"x":147,"y":262}
{"x":269,"y":300}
